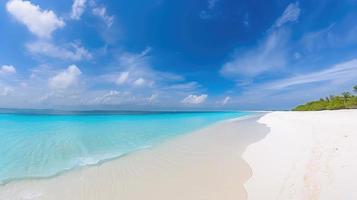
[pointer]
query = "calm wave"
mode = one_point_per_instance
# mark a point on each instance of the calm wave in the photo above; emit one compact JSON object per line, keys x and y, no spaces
{"x":43,"y":144}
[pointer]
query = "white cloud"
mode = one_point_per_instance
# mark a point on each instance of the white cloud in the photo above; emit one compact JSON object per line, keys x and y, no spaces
{"x":123,"y":77}
{"x":269,"y":54}
{"x":135,"y":60}
{"x":72,"y":51}
{"x":5,"y":91}
{"x":40,"y":22}
{"x":291,"y":91}
{"x":7,"y":69}
{"x":225,"y":100}
{"x":101,"y":12}
{"x":212,"y":3}
{"x":107,"y":98}
{"x":207,"y":14}
{"x":195,"y":99}
{"x":318,"y":39}
{"x":341,"y":72}
{"x":334,"y":36}
{"x":78,"y":8}
{"x":152,"y":98}
{"x":139,"y":82}
{"x":59,"y":97}
{"x":136,"y":70}
{"x":46,"y":86}
{"x":187,"y":86}
{"x":66,"y":78}
{"x":291,"y":14}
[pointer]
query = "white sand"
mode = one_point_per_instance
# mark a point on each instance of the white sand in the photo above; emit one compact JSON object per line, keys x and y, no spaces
{"x":205,"y":165}
{"x":306,"y":156}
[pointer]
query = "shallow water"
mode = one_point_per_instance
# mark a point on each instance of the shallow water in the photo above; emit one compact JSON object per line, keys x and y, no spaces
{"x":43,"y":145}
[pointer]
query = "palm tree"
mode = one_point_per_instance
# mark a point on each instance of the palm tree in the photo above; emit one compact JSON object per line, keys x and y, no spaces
{"x":346,"y":95}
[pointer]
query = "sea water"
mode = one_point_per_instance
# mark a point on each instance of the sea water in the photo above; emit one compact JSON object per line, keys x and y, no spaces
{"x":34,"y":145}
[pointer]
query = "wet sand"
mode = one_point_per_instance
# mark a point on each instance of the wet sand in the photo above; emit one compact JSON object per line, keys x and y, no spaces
{"x":206,"y":164}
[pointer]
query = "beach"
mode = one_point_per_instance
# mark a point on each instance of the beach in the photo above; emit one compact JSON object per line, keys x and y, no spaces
{"x":205,"y":164}
{"x":178,"y":100}
{"x":270,"y":156}
{"x":306,"y":155}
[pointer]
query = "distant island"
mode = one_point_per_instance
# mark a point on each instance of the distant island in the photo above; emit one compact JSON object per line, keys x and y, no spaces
{"x":344,"y":101}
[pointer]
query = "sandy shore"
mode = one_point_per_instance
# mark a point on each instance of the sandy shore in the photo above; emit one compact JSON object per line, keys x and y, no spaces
{"x":306,"y":156}
{"x":293,"y":156}
{"x":205,"y":165}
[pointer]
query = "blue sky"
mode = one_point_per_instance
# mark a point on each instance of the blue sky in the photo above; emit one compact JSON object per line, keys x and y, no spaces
{"x":160,"y":54}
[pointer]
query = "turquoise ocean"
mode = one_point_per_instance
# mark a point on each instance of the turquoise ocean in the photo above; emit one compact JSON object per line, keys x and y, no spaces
{"x":43,"y":144}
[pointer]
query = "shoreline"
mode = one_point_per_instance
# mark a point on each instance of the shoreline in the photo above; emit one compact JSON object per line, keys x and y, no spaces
{"x":274,"y":155}
{"x":113,"y":158}
{"x":76,"y":168}
{"x":169,"y":150}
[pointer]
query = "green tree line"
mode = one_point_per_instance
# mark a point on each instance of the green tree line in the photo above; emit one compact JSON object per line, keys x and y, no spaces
{"x":344,"y":101}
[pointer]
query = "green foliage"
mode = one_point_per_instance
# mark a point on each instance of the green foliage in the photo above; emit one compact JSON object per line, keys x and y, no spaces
{"x":355,"y":88}
{"x":346,"y":95}
{"x":345,"y":101}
